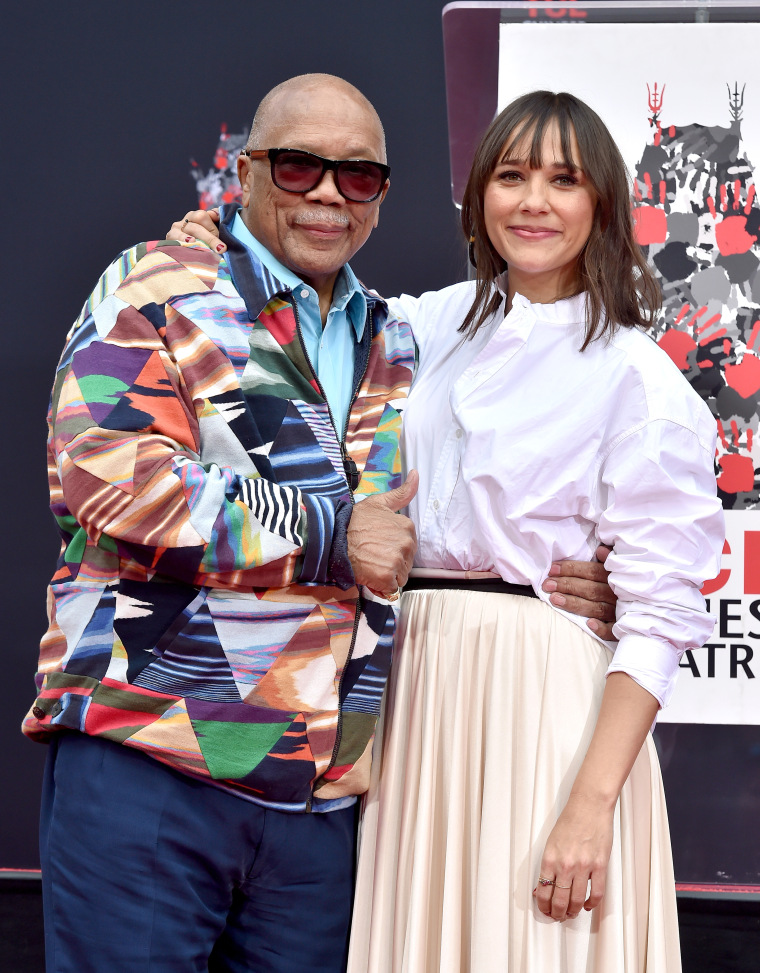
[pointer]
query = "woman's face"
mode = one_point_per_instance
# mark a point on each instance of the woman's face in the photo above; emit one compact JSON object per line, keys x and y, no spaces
{"x":539,"y":220}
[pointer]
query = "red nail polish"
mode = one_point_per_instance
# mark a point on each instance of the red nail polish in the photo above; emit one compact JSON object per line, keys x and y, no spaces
{"x":220,"y":247}
{"x":188,"y":239}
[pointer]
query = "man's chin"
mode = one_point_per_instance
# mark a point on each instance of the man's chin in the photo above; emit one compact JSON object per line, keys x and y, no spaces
{"x":315,"y":271}
{"x":322,"y":257}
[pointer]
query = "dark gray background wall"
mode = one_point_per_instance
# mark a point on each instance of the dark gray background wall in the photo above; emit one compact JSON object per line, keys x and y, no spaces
{"x":103,"y":105}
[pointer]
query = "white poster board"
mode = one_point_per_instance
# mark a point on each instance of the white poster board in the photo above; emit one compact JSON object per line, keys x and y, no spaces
{"x":683,"y":103}
{"x":610,"y":65}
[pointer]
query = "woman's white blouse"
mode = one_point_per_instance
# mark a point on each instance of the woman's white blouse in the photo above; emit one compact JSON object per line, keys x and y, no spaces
{"x":530,"y":451}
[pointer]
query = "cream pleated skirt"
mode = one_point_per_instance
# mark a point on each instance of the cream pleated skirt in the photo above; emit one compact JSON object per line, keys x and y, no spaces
{"x":489,"y":713}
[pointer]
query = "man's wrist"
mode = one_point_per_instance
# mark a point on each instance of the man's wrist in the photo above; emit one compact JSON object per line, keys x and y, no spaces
{"x":339,"y":565}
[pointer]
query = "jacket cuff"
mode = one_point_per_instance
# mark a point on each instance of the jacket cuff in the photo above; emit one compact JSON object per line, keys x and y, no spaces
{"x":325,"y":557}
{"x":320,"y":520}
{"x":339,"y":567}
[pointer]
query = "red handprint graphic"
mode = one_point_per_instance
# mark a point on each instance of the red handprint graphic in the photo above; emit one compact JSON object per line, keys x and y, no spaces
{"x":731,"y":233}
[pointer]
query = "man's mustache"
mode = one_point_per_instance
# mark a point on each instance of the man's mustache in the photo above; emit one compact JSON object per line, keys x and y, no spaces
{"x":321,"y":216}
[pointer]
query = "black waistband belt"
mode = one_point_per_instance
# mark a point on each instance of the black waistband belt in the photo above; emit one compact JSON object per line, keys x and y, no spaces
{"x":471,"y":584}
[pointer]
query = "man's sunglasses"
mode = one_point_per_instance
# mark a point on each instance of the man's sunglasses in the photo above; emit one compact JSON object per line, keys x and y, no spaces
{"x":295,"y":171}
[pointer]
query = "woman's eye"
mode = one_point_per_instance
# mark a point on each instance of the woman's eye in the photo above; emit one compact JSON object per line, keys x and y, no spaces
{"x":509,"y":175}
{"x":566,"y":180}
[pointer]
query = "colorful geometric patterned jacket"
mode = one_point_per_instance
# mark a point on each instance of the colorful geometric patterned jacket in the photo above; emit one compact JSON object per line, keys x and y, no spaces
{"x":203,"y":608}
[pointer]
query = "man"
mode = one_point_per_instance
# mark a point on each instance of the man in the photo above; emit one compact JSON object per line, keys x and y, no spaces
{"x":222,"y":613}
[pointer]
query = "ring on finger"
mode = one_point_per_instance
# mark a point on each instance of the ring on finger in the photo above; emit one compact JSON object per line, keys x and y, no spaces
{"x":394,"y":595}
{"x":546,"y":881}
{"x":182,"y":228}
{"x":561,"y":886}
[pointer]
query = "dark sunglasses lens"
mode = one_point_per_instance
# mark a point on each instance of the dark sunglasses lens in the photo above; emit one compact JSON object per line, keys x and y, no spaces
{"x":297,"y":172}
{"x":359,"y":181}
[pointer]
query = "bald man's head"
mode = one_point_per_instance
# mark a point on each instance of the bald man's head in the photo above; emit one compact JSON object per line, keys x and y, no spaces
{"x":291,"y":90}
{"x":314,"y":232}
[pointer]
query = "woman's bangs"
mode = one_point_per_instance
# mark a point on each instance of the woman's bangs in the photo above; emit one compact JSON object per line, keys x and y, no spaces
{"x":527,"y":138}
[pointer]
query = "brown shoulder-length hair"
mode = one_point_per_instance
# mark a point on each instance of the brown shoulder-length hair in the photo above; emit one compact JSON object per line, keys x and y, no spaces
{"x":620,"y":288}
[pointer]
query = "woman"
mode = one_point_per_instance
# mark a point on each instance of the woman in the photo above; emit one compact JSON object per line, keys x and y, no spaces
{"x":516,"y":820}
{"x":542,"y":420}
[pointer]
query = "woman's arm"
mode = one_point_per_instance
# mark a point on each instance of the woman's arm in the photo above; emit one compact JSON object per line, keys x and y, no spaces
{"x":578,"y":848}
{"x":660,"y":512}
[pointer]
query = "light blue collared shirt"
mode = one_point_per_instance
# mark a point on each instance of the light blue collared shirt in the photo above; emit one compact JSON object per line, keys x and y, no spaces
{"x":331,"y":349}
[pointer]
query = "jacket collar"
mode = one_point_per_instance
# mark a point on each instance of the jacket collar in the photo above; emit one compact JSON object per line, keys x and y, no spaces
{"x":255,"y":284}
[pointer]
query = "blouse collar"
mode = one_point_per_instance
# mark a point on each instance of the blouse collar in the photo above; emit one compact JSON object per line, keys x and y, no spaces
{"x":569,"y":310}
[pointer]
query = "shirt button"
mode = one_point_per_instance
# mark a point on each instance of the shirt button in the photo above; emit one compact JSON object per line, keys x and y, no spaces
{"x":304,"y":293}
{"x":436,"y":505}
{"x":459,"y":433}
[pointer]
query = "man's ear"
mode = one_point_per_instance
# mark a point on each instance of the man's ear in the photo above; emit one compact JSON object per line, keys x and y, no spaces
{"x":386,"y":187}
{"x":244,"y":170}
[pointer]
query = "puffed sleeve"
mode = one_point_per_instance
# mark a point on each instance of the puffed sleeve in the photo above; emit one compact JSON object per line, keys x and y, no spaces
{"x":431,"y":311}
{"x":665,"y":524}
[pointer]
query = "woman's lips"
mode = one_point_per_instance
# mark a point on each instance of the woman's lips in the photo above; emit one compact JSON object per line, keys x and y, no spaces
{"x":534,"y":232}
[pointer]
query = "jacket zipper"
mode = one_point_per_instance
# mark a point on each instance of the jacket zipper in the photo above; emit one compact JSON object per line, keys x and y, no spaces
{"x":350,"y":472}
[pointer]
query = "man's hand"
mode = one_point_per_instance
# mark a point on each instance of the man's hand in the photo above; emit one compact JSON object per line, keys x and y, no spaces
{"x":198,"y":224}
{"x":382,"y":542}
{"x":581,"y":588}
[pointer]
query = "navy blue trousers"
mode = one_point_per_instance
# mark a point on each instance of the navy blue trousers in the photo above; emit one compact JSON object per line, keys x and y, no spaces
{"x":145,"y":870}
